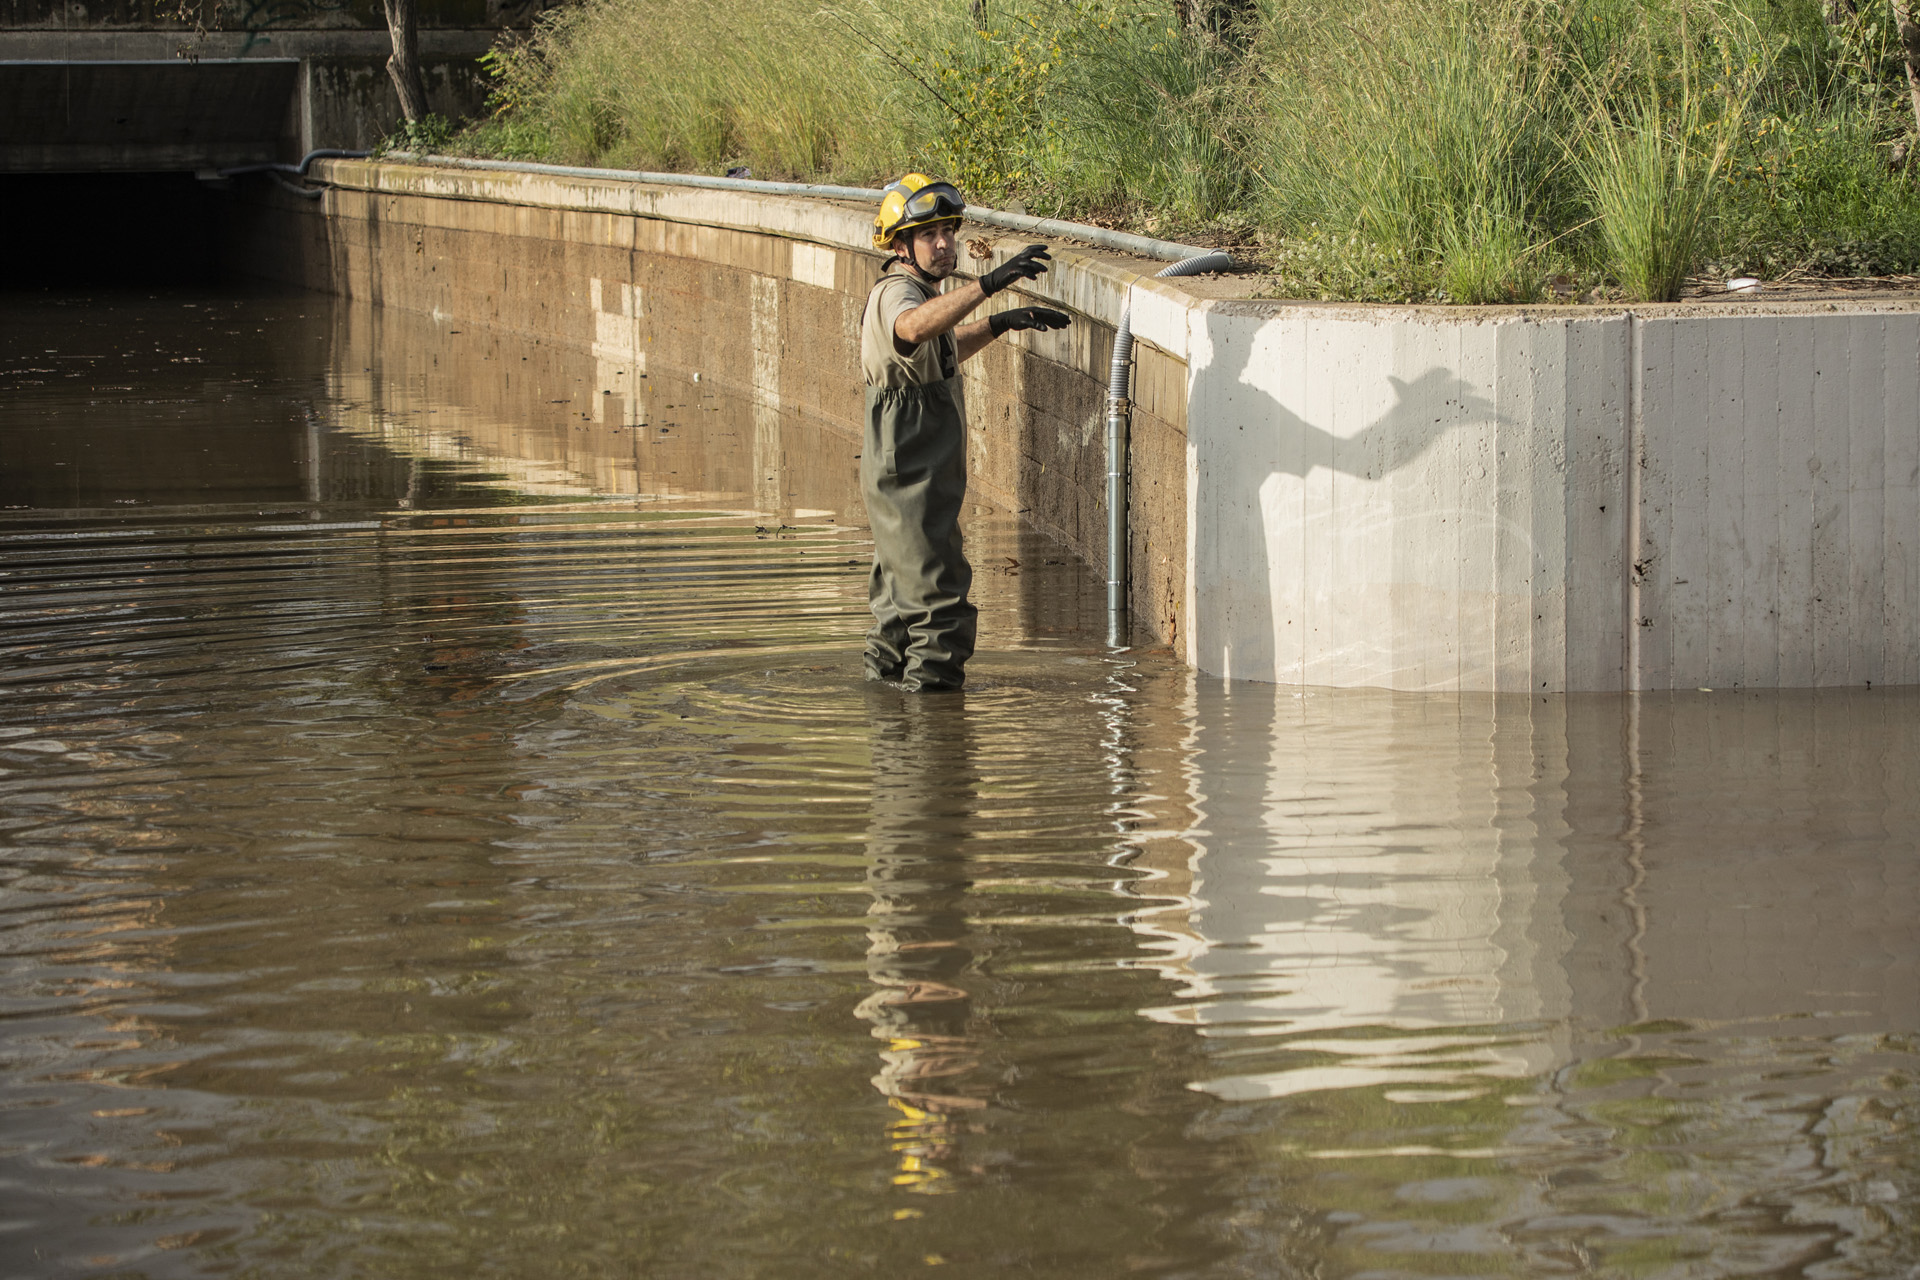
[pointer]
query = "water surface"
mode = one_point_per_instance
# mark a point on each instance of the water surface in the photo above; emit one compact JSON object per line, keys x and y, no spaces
{"x":443,"y":830}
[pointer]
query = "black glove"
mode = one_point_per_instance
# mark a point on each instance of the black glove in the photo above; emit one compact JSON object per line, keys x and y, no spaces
{"x":1027,"y":318}
{"x":1024,"y":265}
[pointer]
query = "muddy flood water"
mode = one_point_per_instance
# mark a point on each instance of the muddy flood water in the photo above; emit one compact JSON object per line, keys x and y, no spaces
{"x":444,"y":831}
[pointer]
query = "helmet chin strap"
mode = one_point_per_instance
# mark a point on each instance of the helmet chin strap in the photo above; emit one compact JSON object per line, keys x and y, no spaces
{"x":907,"y":260}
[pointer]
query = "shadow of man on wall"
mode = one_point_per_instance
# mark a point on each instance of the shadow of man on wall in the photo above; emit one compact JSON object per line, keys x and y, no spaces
{"x":1260,"y":443}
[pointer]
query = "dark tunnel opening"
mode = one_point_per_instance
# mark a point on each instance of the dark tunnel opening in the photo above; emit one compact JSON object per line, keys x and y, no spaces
{"x":107,"y":230}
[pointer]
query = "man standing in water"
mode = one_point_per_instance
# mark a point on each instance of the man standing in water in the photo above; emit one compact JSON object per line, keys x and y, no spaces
{"x":913,"y":468}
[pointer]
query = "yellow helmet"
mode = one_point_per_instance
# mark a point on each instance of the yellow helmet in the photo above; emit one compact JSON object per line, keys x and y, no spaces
{"x":914,"y":201}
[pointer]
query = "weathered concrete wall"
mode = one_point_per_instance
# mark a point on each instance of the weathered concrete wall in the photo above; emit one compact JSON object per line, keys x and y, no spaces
{"x":1556,"y":500}
{"x":758,"y":294}
{"x":534,"y":413}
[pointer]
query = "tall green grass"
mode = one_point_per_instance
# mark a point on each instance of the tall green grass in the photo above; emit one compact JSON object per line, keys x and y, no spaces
{"x":1447,"y":150}
{"x":1651,"y":188}
{"x":1653,"y":159}
{"x":1134,"y":116}
{"x":641,"y":83}
{"x":1064,"y":105}
{"x":1436,"y":137}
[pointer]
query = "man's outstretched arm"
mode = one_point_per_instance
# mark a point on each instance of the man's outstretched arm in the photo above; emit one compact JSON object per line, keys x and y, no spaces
{"x":945,"y":311}
{"x":972,"y":337}
{"x":928,"y":320}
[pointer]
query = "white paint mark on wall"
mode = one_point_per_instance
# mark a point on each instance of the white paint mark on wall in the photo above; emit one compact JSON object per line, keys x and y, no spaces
{"x":767,"y":494}
{"x":766,"y":338}
{"x":616,"y":316}
{"x":766,"y":395}
{"x":813,"y":264}
{"x":619,"y":350}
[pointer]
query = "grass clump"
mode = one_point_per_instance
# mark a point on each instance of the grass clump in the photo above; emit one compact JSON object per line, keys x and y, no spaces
{"x":1650,"y":189}
{"x":644,"y":84}
{"x":1652,"y":161}
{"x":1419,"y":150}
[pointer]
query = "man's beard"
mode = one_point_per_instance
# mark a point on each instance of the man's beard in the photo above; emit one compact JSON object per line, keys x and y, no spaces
{"x":934,"y":273}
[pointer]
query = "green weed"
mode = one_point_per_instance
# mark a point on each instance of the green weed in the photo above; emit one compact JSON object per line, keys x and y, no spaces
{"x":429,"y":133}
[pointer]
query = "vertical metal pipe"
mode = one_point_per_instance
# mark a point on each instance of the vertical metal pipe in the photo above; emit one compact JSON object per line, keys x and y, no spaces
{"x":1631,"y":581}
{"x":1118,"y":422}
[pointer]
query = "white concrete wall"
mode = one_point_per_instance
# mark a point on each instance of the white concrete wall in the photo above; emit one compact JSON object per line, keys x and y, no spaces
{"x":1424,"y":499}
{"x":1780,"y":512}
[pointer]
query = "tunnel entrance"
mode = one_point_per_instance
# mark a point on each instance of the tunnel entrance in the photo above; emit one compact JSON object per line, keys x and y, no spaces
{"x":95,"y":230}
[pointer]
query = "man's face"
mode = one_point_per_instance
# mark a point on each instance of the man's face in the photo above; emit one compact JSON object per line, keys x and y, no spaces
{"x":935,"y":250}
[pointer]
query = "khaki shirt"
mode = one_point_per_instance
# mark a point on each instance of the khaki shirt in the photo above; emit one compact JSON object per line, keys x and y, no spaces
{"x":937,"y":360}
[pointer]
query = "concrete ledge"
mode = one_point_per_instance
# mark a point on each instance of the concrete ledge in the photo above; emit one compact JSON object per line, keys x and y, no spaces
{"x":1093,"y":284}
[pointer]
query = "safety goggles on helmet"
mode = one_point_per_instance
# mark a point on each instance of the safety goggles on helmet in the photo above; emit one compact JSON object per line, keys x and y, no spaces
{"x":914,"y":201}
{"x":932,"y":204}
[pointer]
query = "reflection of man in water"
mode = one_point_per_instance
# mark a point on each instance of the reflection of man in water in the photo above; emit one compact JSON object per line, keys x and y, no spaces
{"x":917,"y":957}
{"x":913,"y":466}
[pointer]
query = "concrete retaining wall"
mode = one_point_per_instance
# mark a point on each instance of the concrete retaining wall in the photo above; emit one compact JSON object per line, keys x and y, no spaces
{"x":1545,"y":499}
{"x":1678,"y":497}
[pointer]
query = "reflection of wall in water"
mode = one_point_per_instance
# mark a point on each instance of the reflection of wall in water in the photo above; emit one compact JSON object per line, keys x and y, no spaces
{"x":1385,"y":877}
{"x":175,"y":422}
{"x":558,"y":422}
{"x":1412,"y":862}
{"x":1750,"y":861}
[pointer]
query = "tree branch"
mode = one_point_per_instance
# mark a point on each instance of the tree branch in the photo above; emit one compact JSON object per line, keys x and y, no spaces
{"x":404,"y":65}
{"x":1910,"y":41}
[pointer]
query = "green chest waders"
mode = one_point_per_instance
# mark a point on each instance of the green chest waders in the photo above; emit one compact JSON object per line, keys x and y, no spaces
{"x":913,"y":472}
